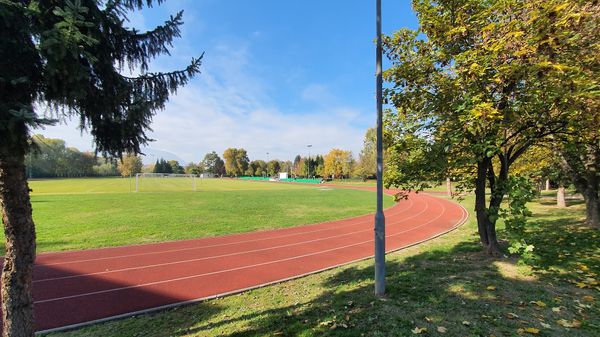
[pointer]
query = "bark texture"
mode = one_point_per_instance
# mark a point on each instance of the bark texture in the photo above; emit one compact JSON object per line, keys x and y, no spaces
{"x":583,"y":166}
{"x":560,"y":197}
{"x":485,"y":226}
{"x":17,"y":301}
{"x":592,"y":208}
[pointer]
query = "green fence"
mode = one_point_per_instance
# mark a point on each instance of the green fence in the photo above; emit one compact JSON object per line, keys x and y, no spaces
{"x":288,"y":180}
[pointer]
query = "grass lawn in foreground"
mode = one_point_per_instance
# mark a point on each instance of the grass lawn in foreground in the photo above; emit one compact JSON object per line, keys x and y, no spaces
{"x":82,"y":213}
{"x":445,"y":286}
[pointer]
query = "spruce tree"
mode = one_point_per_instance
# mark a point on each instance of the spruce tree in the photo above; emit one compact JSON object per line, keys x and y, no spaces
{"x":71,"y":56}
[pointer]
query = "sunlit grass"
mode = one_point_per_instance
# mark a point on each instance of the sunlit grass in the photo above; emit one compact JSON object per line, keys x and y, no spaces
{"x":445,"y":283}
{"x":89,"y":213}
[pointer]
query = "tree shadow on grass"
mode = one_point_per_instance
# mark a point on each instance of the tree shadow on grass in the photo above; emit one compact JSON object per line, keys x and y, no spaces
{"x":564,"y":247}
{"x":459,"y":289}
{"x":552,"y":202}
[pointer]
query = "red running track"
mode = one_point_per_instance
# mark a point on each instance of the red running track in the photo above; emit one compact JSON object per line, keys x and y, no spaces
{"x":80,"y":287}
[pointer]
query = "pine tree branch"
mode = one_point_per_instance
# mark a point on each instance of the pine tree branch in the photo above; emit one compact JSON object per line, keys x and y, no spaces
{"x":156,"y":87}
{"x":136,"y":4}
{"x":146,"y":46}
{"x":134,"y":48}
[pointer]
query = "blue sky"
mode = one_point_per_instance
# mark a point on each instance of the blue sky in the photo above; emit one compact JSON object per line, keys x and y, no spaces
{"x":277,"y":75}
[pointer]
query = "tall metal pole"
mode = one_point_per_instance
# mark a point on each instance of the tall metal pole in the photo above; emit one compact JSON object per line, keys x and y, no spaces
{"x":379,"y":217}
{"x":308,"y":173}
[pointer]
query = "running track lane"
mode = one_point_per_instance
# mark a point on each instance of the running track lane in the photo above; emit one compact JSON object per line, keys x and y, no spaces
{"x":80,"y":287}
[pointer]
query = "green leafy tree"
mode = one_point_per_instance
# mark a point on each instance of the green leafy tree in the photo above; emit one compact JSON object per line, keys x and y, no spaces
{"x":574,"y":44}
{"x":157,"y":167}
{"x":260,"y":168}
{"x":299,"y":169}
{"x":541,"y":163}
{"x":297,"y":166}
{"x":105,"y":167}
{"x":192,"y":168}
{"x":580,"y":161}
{"x":51,"y":158}
{"x":366,"y":167}
{"x":214,"y":164}
{"x":473,"y":89}
{"x":256,"y":168}
{"x":273,"y":168}
{"x":163,"y":166}
{"x":286,"y":166}
{"x":319,"y":166}
{"x":175,"y":167}
{"x":69,"y":55}
{"x":130,"y":164}
{"x":236,"y":161}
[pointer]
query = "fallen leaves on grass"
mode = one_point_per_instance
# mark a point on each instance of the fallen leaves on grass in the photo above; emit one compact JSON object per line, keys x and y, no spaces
{"x":491,"y":287}
{"x":533,"y":331}
{"x":418,"y":331}
{"x":569,"y":324}
{"x":511,"y":315}
{"x":441,"y":329}
{"x":539,"y":303}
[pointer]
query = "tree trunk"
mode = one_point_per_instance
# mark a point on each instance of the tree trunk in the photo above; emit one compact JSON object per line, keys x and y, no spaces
{"x":486,"y":228}
{"x":480,"y":209}
{"x":592,"y":207}
{"x":547,"y":184}
{"x":449,"y":187}
{"x":583,"y":169}
{"x":560,"y":197}
{"x":17,"y":301}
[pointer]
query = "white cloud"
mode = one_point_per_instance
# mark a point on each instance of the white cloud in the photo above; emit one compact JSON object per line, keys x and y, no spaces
{"x":226,"y":106}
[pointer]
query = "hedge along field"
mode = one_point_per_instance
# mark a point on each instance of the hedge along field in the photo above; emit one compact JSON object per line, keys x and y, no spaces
{"x":84,"y":213}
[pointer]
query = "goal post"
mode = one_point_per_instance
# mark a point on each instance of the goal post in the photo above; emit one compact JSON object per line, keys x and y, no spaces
{"x":164,"y":182}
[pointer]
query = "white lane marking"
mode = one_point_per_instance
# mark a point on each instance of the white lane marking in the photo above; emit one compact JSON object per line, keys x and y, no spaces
{"x":229,"y":243}
{"x":229,"y":254}
{"x":235,"y":269}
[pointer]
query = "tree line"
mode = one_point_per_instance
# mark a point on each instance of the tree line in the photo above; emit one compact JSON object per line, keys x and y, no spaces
{"x":336,"y":163}
{"x":51,"y":158}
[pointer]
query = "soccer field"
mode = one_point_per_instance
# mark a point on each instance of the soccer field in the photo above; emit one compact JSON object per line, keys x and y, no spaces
{"x":88,"y":213}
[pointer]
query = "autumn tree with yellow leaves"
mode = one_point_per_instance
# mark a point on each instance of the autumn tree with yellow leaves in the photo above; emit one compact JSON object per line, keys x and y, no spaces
{"x":337,"y":163}
{"x":476,"y":86}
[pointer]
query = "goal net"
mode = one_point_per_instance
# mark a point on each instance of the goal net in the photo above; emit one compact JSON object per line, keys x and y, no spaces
{"x":163,"y":182}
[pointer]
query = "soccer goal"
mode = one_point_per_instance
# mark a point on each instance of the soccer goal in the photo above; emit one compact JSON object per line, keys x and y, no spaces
{"x":163,"y":182}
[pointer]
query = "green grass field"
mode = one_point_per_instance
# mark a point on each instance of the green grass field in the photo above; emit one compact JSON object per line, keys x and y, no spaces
{"x":88,"y":213}
{"x":445,"y":287}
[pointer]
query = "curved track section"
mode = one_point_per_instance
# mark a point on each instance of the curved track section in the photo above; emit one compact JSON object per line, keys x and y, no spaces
{"x":82,"y":287}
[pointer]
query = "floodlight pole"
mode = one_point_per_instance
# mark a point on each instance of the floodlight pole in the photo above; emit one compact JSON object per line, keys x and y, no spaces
{"x":379,"y":217}
{"x":308,"y":173}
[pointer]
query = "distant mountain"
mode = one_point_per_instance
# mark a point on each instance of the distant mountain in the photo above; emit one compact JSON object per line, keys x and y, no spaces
{"x":152,"y":155}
